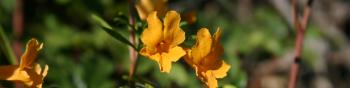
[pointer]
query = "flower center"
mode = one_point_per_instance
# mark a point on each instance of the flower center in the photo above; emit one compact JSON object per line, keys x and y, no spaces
{"x":163,"y":47}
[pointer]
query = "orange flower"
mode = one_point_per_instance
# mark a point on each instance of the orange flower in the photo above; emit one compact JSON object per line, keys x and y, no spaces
{"x":145,"y":7}
{"x":161,"y":40}
{"x":204,"y":57}
{"x":30,"y":74}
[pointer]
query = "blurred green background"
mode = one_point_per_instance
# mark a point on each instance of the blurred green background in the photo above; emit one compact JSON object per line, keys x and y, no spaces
{"x":257,"y":36}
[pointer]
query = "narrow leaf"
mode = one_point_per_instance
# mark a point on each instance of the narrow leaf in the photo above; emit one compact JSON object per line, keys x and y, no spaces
{"x":6,"y":48}
{"x":106,"y":27}
{"x":100,"y":21}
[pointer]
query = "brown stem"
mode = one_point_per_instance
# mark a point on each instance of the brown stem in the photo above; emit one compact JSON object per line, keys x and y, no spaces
{"x":300,"y":27}
{"x":17,"y":25}
{"x":132,"y":39}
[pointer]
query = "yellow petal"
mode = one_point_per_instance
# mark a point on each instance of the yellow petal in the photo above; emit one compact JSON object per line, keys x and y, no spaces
{"x":32,"y":49}
{"x":141,"y":12}
{"x":37,"y":69}
{"x":188,"y":57}
{"x":217,"y":48}
{"x":222,"y":70}
{"x":173,"y":34}
{"x":217,"y":36}
{"x":211,"y":80}
{"x":36,"y":75}
{"x":13,"y":73}
{"x":39,"y":78}
{"x":144,"y":7}
{"x":152,"y":36}
{"x":45,"y":71}
{"x":203,"y":45}
{"x":175,"y":53}
{"x":212,"y":61}
{"x":165,"y":64}
{"x":7,"y":71}
{"x":145,"y":51}
{"x":43,"y":75}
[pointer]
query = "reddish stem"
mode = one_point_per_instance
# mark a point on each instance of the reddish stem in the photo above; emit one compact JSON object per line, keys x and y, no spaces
{"x":17,"y":25}
{"x":132,"y":39}
{"x":300,"y":27}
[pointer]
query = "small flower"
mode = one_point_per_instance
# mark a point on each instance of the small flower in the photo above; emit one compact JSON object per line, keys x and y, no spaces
{"x":161,"y":40}
{"x":145,"y":7}
{"x":27,"y":72}
{"x":204,"y":57}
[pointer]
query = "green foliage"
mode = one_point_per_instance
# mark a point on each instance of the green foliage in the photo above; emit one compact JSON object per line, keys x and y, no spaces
{"x":6,"y":48}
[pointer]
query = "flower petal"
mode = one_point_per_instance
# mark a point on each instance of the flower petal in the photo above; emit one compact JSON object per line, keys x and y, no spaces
{"x":165,"y":64}
{"x":188,"y":57}
{"x":175,"y":53}
{"x":144,"y":7}
{"x":152,"y":36}
{"x":7,"y":71}
{"x":13,"y":73}
{"x":222,"y":70}
{"x":217,"y":36}
{"x":27,"y":59}
{"x":173,"y":34}
{"x":151,"y":55}
{"x":203,"y":45}
{"x":45,"y":71}
{"x":211,"y":80}
{"x":161,"y":7}
{"x":37,"y":69}
{"x":217,"y":49}
{"x":212,"y":60}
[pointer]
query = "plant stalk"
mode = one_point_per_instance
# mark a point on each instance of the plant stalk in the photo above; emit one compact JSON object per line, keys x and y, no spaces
{"x":300,"y":27}
{"x":132,"y":38}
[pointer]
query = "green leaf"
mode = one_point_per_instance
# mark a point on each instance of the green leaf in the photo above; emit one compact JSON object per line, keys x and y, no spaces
{"x":6,"y":48}
{"x":106,"y":27}
{"x":100,"y":21}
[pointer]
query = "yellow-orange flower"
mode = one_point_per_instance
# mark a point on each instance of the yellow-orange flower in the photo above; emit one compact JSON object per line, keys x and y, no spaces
{"x":161,"y":40}
{"x":145,"y":7}
{"x":204,"y":57}
{"x":27,"y":72}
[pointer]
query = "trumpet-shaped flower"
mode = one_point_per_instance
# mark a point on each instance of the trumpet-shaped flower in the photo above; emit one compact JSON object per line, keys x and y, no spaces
{"x":161,"y":40}
{"x":27,"y":72}
{"x":204,"y":57}
{"x":145,"y":7}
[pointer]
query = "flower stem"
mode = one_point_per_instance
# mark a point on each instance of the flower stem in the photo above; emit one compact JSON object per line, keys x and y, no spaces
{"x":132,"y":39}
{"x":300,"y":27}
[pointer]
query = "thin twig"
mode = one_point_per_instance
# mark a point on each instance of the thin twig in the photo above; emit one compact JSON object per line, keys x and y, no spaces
{"x":300,"y":27}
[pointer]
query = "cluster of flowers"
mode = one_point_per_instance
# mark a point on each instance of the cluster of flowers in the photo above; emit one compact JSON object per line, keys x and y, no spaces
{"x":27,"y":71}
{"x":161,"y":43}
